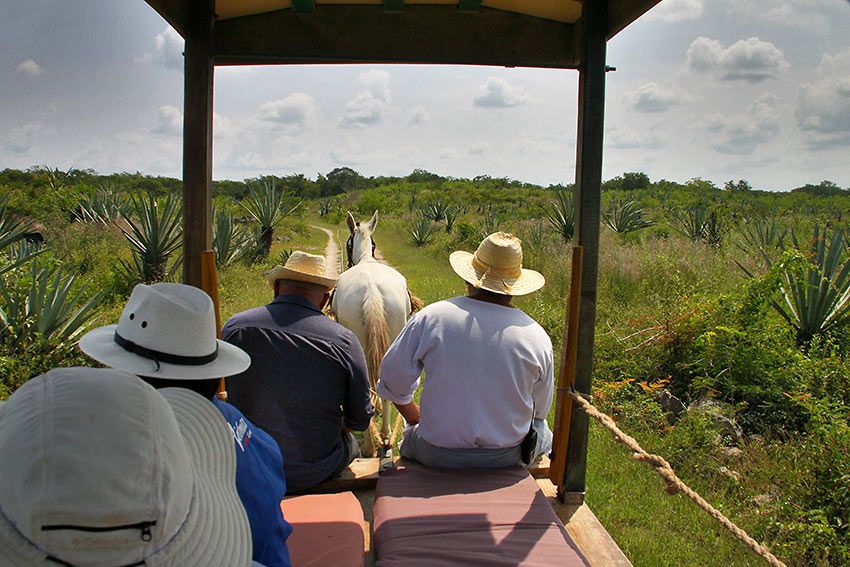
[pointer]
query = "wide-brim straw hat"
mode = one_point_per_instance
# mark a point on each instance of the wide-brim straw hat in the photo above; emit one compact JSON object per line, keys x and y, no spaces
{"x":99,"y":468}
{"x":166,"y":331}
{"x":497,"y":266}
{"x":303,"y":267}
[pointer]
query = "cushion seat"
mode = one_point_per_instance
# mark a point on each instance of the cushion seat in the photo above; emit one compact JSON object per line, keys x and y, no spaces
{"x":441,"y":518}
{"x":327,"y":530}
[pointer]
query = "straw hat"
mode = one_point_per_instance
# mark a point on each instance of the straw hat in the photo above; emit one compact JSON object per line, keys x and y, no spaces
{"x":497,"y":266}
{"x":99,"y":468}
{"x":303,"y":267}
{"x":166,"y":331}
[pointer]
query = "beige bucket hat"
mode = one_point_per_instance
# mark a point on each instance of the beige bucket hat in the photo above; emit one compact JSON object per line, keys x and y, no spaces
{"x":99,"y":468}
{"x":303,"y":267}
{"x":497,"y":266}
{"x":167,"y":331}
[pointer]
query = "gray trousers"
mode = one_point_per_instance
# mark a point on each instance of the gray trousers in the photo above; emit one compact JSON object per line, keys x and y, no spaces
{"x":416,"y":448}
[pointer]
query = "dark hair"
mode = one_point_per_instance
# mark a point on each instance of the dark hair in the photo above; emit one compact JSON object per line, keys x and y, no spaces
{"x":207,"y":387}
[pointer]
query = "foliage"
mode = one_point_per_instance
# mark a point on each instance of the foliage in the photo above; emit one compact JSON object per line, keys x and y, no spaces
{"x":436,"y":211}
{"x":106,"y":206}
{"x":230,"y":241}
{"x":561,"y":214}
{"x":326,"y":205}
{"x":815,"y":286}
{"x":421,"y":231}
{"x":153,"y":238}
{"x":51,"y":306}
{"x":762,"y":234}
{"x":267,"y":206}
{"x":451,"y":216}
{"x":624,"y":218}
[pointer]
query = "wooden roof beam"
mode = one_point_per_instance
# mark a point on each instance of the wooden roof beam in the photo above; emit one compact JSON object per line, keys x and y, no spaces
{"x":435,"y":34}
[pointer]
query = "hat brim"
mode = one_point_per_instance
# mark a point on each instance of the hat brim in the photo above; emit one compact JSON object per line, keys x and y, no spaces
{"x":100,"y":345}
{"x":284,"y":273}
{"x":216,"y":530}
{"x":528,"y":281}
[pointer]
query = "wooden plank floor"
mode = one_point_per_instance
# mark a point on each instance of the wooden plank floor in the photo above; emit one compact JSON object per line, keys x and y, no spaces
{"x":583,"y":526}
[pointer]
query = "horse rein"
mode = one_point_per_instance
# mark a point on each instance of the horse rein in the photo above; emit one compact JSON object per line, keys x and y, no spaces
{"x":349,"y":248}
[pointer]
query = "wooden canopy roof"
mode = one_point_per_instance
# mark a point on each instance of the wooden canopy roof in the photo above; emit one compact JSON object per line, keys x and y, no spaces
{"x":512,"y":33}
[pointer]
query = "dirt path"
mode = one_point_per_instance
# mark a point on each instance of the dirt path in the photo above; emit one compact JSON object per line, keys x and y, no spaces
{"x":332,"y":258}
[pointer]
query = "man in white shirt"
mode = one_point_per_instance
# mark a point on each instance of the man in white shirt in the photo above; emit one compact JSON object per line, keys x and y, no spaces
{"x":489,"y":367}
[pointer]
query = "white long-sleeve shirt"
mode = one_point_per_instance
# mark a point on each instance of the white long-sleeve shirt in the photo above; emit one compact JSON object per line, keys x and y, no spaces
{"x":486,"y":366}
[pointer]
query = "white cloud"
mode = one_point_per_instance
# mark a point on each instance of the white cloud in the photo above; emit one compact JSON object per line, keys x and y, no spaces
{"x":822,"y":108}
{"x":30,"y":68}
{"x":377,"y":84}
{"x":749,"y":59}
{"x":478,"y":149}
{"x":169,"y":49}
{"x":810,"y":15}
{"x":498,"y":93}
{"x":368,"y":107}
{"x":21,"y":139}
{"x":535,"y":146}
{"x":295,"y":110}
{"x":653,"y":97}
{"x":625,"y":138}
{"x":418,"y":115}
{"x":741,"y":134}
{"x":676,"y":11}
{"x":170,"y":121}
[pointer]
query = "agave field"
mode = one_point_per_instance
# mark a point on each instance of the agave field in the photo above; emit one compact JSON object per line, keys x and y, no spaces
{"x":722,"y":337}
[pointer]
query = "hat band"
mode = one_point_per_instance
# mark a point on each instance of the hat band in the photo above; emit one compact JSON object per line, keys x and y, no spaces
{"x":159,"y":356}
{"x":510,"y":272}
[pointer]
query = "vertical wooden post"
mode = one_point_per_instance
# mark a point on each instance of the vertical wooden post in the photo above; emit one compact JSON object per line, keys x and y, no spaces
{"x":566,"y":374}
{"x":591,"y":122}
{"x":197,"y":138}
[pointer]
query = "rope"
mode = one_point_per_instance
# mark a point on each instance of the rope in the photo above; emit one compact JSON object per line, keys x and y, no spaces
{"x":674,"y":483}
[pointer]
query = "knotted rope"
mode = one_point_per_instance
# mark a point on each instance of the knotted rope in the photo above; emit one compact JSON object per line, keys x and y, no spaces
{"x":674,"y":483}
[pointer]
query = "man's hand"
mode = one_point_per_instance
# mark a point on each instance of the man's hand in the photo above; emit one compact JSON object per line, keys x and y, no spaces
{"x":410,"y":412}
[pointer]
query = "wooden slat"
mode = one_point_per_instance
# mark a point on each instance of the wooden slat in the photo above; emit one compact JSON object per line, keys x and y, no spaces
{"x":363,"y":473}
{"x":393,"y":5}
{"x":469,"y":5}
{"x":598,"y":547}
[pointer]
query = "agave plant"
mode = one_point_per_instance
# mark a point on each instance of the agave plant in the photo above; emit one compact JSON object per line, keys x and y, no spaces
{"x":230,"y":241}
{"x":12,"y":233}
{"x":267,"y":206}
{"x":422,"y":231}
{"x":623,"y":218}
{"x":692,"y":223}
{"x":106,"y":206}
{"x":436,"y":211}
{"x":561,"y":214}
{"x":816,"y":298}
{"x":451,"y":216}
{"x":326,"y":205}
{"x":50,"y":308}
{"x":761,"y":234}
{"x":153,"y":238}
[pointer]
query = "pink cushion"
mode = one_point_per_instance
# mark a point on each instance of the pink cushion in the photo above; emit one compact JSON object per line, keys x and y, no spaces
{"x":465,"y":518}
{"x":327,"y":529}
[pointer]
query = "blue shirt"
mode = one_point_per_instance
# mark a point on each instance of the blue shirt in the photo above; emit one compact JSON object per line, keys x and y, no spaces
{"x":307,"y":377}
{"x":261,"y":485}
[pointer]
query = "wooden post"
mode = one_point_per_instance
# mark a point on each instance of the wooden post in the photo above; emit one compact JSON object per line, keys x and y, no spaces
{"x":591,"y":122}
{"x":197,"y":138}
{"x":566,"y":374}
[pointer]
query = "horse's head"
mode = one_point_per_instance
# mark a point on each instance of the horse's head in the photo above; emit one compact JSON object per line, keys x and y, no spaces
{"x":360,"y":243}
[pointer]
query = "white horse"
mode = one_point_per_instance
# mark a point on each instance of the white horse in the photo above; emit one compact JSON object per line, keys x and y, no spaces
{"x":371,"y":300}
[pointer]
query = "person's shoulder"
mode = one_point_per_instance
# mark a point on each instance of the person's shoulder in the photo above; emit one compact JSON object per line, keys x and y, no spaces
{"x":247,"y":317}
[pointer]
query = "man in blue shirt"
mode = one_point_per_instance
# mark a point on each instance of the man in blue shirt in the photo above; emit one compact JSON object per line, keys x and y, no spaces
{"x":307,"y":385}
{"x":166,"y":336}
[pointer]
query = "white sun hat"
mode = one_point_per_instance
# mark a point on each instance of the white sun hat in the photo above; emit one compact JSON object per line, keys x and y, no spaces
{"x":497,"y":266}
{"x":167,"y":331}
{"x":101,"y":469}
{"x":303,"y":267}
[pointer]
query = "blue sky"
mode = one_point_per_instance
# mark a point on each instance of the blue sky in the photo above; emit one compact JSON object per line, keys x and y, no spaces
{"x":756,"y":90}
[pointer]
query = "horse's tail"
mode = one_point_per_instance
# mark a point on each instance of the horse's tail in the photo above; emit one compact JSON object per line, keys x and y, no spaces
{"x":377,"y":333}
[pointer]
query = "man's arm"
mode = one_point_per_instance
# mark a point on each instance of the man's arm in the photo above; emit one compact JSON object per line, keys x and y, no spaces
{"x":410,"y":412}
{"x":357,"y":409}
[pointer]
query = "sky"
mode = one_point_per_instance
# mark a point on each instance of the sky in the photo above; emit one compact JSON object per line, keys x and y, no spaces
{"x":720,"y":90}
